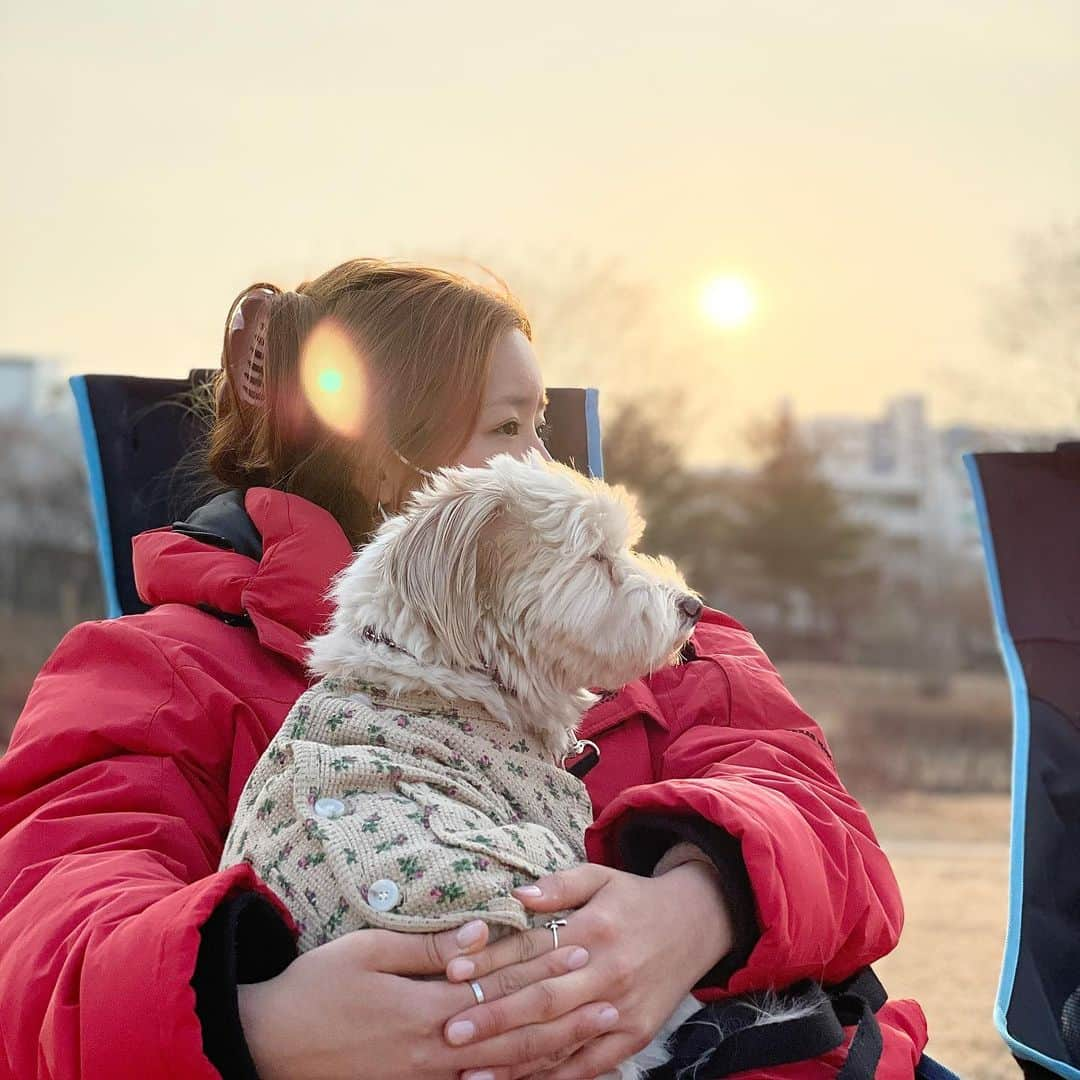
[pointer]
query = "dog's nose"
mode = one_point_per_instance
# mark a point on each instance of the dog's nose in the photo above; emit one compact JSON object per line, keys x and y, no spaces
{"x":691,"y":607}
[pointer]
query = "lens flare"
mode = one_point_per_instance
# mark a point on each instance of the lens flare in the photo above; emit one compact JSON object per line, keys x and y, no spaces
{"x":331,"y":382}
{"x":333,"y":378}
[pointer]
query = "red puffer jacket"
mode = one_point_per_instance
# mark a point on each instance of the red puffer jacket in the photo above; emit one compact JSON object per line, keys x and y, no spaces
{"x":124,"y":770}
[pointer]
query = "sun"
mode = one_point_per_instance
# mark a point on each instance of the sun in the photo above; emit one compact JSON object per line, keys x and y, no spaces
{"x":728,"y":302}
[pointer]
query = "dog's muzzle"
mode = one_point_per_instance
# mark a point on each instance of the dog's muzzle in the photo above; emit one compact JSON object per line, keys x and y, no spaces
{"x":690,"y":607}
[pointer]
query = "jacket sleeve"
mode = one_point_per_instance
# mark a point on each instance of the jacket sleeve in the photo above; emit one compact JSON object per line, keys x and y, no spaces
{"x":243,"y":941}
{"x":745,"y":774}
{"x":113,"y":806}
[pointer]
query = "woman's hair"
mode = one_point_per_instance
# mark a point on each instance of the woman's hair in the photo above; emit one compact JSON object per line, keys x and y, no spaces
{"x":424,"y":338}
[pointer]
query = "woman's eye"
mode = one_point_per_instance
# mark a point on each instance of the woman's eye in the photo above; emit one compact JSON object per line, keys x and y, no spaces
{"x":512,"y":428}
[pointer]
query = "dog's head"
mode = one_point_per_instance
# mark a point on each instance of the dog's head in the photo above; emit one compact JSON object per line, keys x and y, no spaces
{"x":523,"y":567}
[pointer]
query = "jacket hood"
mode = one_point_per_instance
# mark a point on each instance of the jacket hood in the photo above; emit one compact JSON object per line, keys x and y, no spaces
{"x":283,"y":592}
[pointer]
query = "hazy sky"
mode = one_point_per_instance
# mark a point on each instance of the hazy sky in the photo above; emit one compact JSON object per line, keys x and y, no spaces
{"x":866,"y":165}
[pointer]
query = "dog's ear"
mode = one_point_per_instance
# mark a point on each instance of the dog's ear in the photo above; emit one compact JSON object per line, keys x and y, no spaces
{"x":438,"y":565}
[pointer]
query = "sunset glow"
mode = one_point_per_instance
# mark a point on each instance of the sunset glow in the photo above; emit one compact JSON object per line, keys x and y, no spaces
{"x":728,"y":302}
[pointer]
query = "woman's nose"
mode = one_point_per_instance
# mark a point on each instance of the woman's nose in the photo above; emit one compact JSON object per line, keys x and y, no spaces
{"x":541,"y":448}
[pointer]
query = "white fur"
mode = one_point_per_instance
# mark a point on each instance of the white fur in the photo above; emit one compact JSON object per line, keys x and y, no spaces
{"x":499,"y":566}
{"x":525,"y":567}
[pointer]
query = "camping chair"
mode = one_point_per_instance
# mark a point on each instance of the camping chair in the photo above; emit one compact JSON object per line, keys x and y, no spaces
{"x":135,"y":432}
{"x":1028,"y":507}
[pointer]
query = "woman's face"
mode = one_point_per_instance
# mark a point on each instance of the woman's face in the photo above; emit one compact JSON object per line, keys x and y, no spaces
{"x":511,"y":419}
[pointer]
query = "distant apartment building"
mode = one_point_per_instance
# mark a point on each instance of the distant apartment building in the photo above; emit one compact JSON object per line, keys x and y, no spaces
{"x":33,"y":387}
{"x":907,"y":479}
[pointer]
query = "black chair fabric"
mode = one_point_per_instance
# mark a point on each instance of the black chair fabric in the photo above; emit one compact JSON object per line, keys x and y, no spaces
{"x":1029,"y":506}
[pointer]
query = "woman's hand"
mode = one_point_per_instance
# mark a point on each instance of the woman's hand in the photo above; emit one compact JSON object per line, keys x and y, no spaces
{"x":346,"y":1010}
{"x":649,"y":941}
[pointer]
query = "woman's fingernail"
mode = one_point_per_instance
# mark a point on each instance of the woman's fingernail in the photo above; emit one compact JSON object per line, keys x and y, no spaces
{"x":529,"y":890}
{"x":470,"y":933}
{"x":460,"y":968}
{"x":577,"y":959}
{"x":485,"y":1075}
{"x":607,"y":1017}
{"x":460,"y":1031}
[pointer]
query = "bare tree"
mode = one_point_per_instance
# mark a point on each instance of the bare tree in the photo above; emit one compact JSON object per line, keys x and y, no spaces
{"x":44,"y":508}
{"x":685,"y":511}
{"x":790,"y":525}
{"x":595,"y":324}
{"x":1035,"y":322}
{"x":49,"y":578}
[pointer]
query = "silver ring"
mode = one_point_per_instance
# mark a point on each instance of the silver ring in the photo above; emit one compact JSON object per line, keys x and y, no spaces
{"x":553,"y":926}
{"x":478,"y":992}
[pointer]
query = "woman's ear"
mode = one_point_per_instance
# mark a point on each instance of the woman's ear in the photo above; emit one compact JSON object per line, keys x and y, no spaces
{"x":380,"y":487}
{"x":385,"y":492}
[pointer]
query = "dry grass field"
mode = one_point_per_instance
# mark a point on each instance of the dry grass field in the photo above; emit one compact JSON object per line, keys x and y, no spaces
{"x":950,"y":855}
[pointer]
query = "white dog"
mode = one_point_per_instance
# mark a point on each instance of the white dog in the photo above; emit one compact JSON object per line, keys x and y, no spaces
{"x":421,"y":780}
{"x":516,"y":587}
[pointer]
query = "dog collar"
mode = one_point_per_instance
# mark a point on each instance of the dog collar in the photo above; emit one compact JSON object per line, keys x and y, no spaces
{"x":377,"y":637}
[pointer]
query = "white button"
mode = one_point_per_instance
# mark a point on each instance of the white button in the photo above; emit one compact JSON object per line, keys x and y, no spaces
{"x":383,"y":894}
{"x":330,"y":808}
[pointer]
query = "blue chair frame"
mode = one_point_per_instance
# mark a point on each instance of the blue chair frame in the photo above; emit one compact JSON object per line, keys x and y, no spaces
{"x":1028,"y":509}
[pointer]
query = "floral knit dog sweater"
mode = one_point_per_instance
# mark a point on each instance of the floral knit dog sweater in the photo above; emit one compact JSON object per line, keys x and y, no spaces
{"x":406,"y":813}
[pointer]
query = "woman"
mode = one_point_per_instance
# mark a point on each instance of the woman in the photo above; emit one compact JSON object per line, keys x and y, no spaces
{"x":727,"y":856}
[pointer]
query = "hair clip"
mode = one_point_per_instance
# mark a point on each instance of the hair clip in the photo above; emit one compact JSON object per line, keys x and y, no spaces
{"x":245,"y":350}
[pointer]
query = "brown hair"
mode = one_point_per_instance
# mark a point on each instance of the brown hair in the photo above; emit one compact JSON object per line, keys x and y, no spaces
{"x":426,"y":337}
